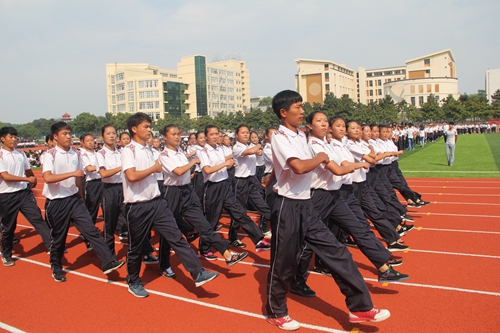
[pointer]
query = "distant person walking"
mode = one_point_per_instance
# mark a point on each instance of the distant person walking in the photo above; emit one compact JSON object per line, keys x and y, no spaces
{"x":450,"y":141}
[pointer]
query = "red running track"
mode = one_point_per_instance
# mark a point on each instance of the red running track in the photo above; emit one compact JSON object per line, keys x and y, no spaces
{"x":453,"y":265}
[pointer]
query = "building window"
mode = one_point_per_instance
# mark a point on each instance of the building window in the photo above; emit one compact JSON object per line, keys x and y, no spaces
{"x":223,"y":97}
{"x":148,"y":83}
{"x":327,"y":87}
{"x":379,"y":82}
{"x":223,"y":89}
{"x":215,"y":97}
{"x":231,"y":106}
{"x":230,"y":90}
{"x":230,"y":82}
{"x":380,"y":92}
{"x":120,"y":76}
{"x":413,"y":101}
{"x":130,"y":85}
{"x":113,"y":99}
{"x":326,"y":67}
{"x":429,"y":88}
{"x":371,"y":92}
{"x":120,"y":107}
{"x":173,"y":76}
{"x":120,"y":87}
{"x":370,"y":83}
{"x":112,"y":78}
{"x":327,"y":76}
{"x":421,"y":100}
{"x":148,"y":94}
{"x":112,"y":89}
{"x":114,"y":108}
{"x":412,"y":89}
{"x":378,"y":73}
{"x":369,"y":74}
{"x":428,"y":71}
{"x":120,"y":97}
{"x":131,"y":107}
{"x":388,"y":73}
{"x":149,"y":105}
{"x":397,"y":71}
{"x":130,"y":96}
{"x":437,"y":98}
{"x":420,"y":88}
{"x":427,"y":62}
{"x":214,"y":71}
{"x":215,"y":105}
{"x":436,"y":88}
{"x":230,"y":74}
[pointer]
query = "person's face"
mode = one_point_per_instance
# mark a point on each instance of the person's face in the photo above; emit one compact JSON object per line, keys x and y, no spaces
{"x":354,"y":131}
{"x":63,"y":139}
{"x":338,"y":129}
{"x":173,"y":137}
{"x":366,"y":133}
{"x":294,"y":116}
{"x":329,"y":137}
{"x":226,"y":141}
{"x":156,"y":143}
{"x":254,"y":138}
{"x":212,"y":136}
{"x":319,"y":125}
{"x":201,"y":140}
{"x":243,"y":135}
{"x":50,"y":144}
{"x":192,"y":139}
{"x":9,"y":142}
{"x":88,"y":142}
{"x":143,"y":131}
{"x":219,"y":140}
{"x":270,"y":134}
{"x":384,"y":133}
{"x":124,"y":140}
{"x":109,"y":136}
{"x":375,"y":133}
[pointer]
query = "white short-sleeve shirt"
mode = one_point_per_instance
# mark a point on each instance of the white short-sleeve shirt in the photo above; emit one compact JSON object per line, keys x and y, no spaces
{"x":268,"y":158}
{"x":344,"y":155}
{"x":287,"y":144}
{"x":244,"y":165}
{"x":89,"y":159}
{"x":358,"y":150}
{"x":212,"y":156}
{"x":322,"y":178}
{"x":135,"y":155}
{"x":59,"y":161}
{"x":170,"y":160}
{"x":110,"y":159}
{"x":195,"y":148}
{"x":382,"y":146}
{"x":14,"y":163}
{"x":156,"y":155}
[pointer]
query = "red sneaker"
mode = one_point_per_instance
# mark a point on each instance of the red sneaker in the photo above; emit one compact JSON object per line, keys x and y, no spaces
{"x":285,"y":323}
{"x":373,"y":315}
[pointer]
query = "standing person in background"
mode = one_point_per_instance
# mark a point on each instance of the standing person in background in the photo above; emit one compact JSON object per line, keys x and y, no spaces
{"x":451,"y":137}
{"x":421,"y":134}
{"x":197,"y":180}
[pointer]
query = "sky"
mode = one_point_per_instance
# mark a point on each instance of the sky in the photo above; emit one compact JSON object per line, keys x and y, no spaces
{"x":53,"y":52}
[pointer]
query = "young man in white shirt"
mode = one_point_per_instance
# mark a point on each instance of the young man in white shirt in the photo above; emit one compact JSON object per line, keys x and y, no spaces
{"x":145,"y":209}
{"x":62,"y":173}
{"x":16,"y":180}
{"x":295,"y":223}
{"x":451,"y":136}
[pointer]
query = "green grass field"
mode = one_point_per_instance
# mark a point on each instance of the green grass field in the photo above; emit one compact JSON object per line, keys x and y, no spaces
{"x":476,"y":156}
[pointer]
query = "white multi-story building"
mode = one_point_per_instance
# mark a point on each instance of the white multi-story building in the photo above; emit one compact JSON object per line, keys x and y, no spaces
{"x":196,"y":88}
{"x":492,"y":82}
{"x":431,"y":74}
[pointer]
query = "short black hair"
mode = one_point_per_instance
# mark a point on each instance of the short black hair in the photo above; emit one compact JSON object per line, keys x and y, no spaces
{"x":283,"y":100}
{"x":168,"y":127}
{"x":106,"y":126}
{"x":4,"y":131}
{"x":310,"y":117}
{"x":48,"y":138}
{"x":59,"y":126}
{"x":334,"y":119}
{"x":124,"y":133}
{"x":209,"y":127}
{"x":136,"y":119}
{"x":237,"y":131}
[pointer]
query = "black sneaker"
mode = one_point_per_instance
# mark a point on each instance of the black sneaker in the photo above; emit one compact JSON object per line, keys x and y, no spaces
{"x":208,"y":256}
{"x":238,"y":243}
{"x":150,"y":259}
{"x":217,"y":227}
{"x":302,"y":289}
{"x":7,"y":261}
{"x":405,"y":229}
{"x":59,"y":276}
{"x":423,"y":203}
{"x":169,"y":273}
{"x":89,"y":246}
{"x":394,"y":262}
{"x":407,"y":218}
{"x":112,"y":266}
{"x":15,"y":240}
{"x":397,"y":247}
{"x":263,"y":245}
{"x":322,"y":270}
{"x":235,"y":258}
{"x":413,"y":205}
{"x":391,"y":275}
{"x":123,"y":236}
{"x":192,"y":235}
{"x":350,"y":242}
{"x":204,"y":277}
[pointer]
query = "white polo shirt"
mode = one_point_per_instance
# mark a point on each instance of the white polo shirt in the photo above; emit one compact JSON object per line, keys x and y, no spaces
{"x":268,"y":158}
{"x":227,"y":150}
{"x":382,"y":146}
{"x":322,"y":178}
{"x":344,"y":155}
{"x":258,"y":159}
{"x":110,"y":159}
{"x":244,"y":165}
{"x":289,"y":144}
{"x":135,"y":155}
{"x":393,"y":148}
{"x":89,"y":159}
{"x":14,"y":163}
{"x":156,"y":155}
{"x":357,"y":150}
{"x":195,"y":148}
{"x":170,"y":160}
{"x":212,"y":156}
{"x":59,"y":161}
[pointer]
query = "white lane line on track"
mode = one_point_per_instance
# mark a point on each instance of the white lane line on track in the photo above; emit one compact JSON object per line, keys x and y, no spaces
{"x":182,"y":299}
{"x":464,"y":203}
{"x":436,"y":171}
{"x":9,"y":328}
{"x":488,"y":256}
{"x":456,"y":215}
{"x":460,"y":194}
{"x":462,"y":230}
{"x":452,"y":187}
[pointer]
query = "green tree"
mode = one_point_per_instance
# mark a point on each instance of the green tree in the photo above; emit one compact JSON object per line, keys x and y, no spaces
{"x":120,"y":121}
{"x":266,"y":101}
{"x":453,"y":109}
{"x":43,"y":125}
{"x":496,"y":96}
{"x":84,"y":123}
{"x":27,"y":132}
{"x":389,"y":111}
{"x":431,"y":109}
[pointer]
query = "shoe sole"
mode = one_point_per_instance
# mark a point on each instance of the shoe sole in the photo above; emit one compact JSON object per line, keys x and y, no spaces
{"x":59,"y":281}
{"x":140,"y":296}
{"x":351,"y":245}
{"x":238,"y":260}
{"x":302,"y":294}
{"x":282,"y":327}
{"x":106,"y":272}
{"x":371,"y":320}
{"x":199,"y":284}
{"x":398,"y":250}
{"x":262,"y":249}
{"x":207,"y":258}
{"x":151,"y":262}
{"x":394,"y":265}
{"x":389,"y":281}
{"x":169,"y":276}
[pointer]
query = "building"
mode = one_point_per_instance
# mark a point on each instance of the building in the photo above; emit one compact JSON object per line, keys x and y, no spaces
{"x":66,"y":118}
{"x":414,"y":82}
{"x":197,"y":88}
{"x":492,"y":82}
